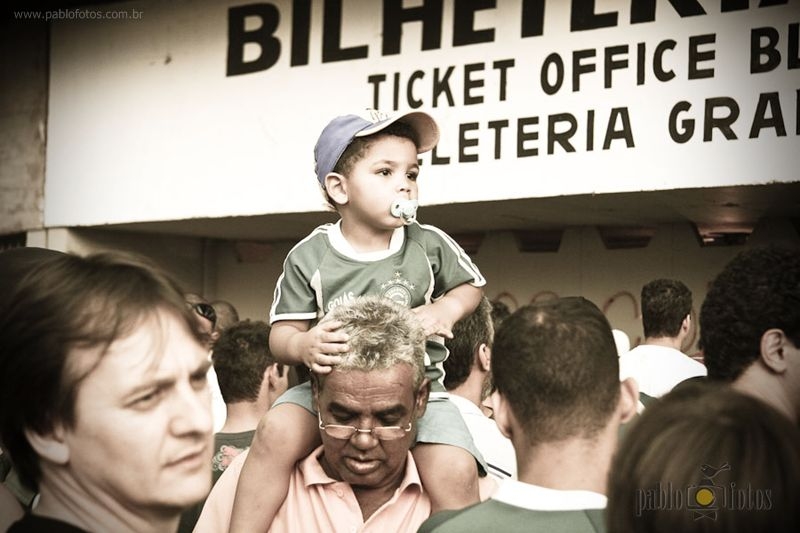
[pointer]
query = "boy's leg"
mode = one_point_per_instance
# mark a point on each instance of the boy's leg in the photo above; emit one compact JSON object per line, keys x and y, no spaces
{"x":286,"y":434}
{"x":447,"y":458}
{"x":449,"y":474}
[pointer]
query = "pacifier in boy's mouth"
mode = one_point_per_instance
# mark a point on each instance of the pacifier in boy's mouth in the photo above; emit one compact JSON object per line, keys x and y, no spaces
{"x":405,"y":209}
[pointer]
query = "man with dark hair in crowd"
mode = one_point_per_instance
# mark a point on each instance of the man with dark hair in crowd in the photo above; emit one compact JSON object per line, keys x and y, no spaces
{"x":250,"y":380}
{"x":14,"y":266}
{"x":211,"y":325}
{"x":227,"y":315}
{"x":205,"y":317}
{"x":750,"y":327}
{"x":658,"y":364}
{"x":560,"y":401}
{"x":468,"y":379}
{"x":103,"y":398}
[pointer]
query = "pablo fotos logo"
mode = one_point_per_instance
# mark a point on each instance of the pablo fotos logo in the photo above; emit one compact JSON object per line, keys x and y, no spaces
{"x":705,"y":498}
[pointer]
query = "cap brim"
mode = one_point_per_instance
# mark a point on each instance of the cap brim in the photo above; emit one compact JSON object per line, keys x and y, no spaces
{"x":422,"y":123}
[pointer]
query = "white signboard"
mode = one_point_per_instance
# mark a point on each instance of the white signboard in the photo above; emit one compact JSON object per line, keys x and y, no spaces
{"x":203,"y":109}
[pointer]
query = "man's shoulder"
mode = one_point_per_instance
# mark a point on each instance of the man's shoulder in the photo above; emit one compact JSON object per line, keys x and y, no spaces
{"x":464,"y":405}
{"x":656,"y":354}
{"x":501,"y":516}
{"x":472,"y":414}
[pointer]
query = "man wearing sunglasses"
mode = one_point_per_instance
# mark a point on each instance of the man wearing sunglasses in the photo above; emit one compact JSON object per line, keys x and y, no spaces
{"x":205,"y":317}
{"x":363,"y":477}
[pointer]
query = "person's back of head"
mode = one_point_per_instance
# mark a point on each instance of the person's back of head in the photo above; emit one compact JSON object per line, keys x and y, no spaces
{"x":58,"y":324}
{"x":240,"y":357}
{"x":468,"y":335}
{"x":706,"y":458}
{"x":665,"y":305}
{"x":500,"y":312}
{"x":757,"y":291}
{"x":227,"y":315}
{"x":555,"y":363}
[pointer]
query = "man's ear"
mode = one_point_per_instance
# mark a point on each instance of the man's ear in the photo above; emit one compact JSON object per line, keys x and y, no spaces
{"x":336,"y":187}
{"x":484,"y":357}
{"x":503,"y":416}
{"x":51,"y":446}
{"x":687,"y":323}
{"x":421,"y":401}
{"x":628,"y":399}
{"x":773,"y":353}
{"x":272,"y":377}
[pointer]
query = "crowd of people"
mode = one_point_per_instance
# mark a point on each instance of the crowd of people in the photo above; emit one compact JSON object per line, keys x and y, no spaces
{"x":421,"y":407}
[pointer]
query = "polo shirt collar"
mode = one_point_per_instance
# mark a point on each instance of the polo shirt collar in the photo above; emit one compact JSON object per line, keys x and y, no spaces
{"x":538,"y":498}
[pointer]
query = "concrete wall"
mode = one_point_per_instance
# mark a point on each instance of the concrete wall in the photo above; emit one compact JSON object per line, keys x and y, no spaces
{"x":23,"y":110}
{"x":245,"y":273}
{"x":187,"y":259}
{"x":612,"y":279}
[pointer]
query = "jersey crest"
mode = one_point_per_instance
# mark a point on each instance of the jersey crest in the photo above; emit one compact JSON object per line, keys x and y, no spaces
{"x":398,"y":289}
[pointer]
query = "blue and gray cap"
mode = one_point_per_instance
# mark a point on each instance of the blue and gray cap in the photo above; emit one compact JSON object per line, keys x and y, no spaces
{"x":341,"y":131}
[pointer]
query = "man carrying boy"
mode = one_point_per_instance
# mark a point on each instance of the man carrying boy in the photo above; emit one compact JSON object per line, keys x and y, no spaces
{"x":362,"y":477}
{"x":367,"y":168}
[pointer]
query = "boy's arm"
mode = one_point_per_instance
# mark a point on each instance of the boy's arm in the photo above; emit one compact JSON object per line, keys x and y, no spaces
{"x":292,"y":342}
{"x":439,"y":317}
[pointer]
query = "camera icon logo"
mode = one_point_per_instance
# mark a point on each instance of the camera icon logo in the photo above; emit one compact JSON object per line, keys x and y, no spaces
{"x":703,"y":497}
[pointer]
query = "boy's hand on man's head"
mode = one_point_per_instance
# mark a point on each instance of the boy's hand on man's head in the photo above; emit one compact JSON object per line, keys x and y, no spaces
{"x":432,"y":323}
{"x":321,"y":344}
{"x":438,"y":318}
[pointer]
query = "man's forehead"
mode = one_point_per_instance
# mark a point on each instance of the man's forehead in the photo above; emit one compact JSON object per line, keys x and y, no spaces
{"x":148,"y":352}
{"x":369,"y":390}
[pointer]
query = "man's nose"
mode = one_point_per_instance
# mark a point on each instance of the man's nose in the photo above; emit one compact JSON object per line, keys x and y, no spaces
{"x":364,"y":440}
{"x":191,"y":411}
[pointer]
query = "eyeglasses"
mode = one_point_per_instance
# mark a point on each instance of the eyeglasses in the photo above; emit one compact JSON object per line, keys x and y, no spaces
{"x":379,"y":432}
{"x":206,"y":311}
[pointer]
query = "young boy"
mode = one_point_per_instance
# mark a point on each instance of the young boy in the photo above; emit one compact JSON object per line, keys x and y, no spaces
{"x":367,"y":169}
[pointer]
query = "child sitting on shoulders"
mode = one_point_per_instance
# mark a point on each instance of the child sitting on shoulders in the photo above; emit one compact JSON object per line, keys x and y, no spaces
{"x":367,"y":169}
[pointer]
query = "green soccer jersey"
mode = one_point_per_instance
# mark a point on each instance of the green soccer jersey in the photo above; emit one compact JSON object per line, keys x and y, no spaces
{"x":422,"y":263}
